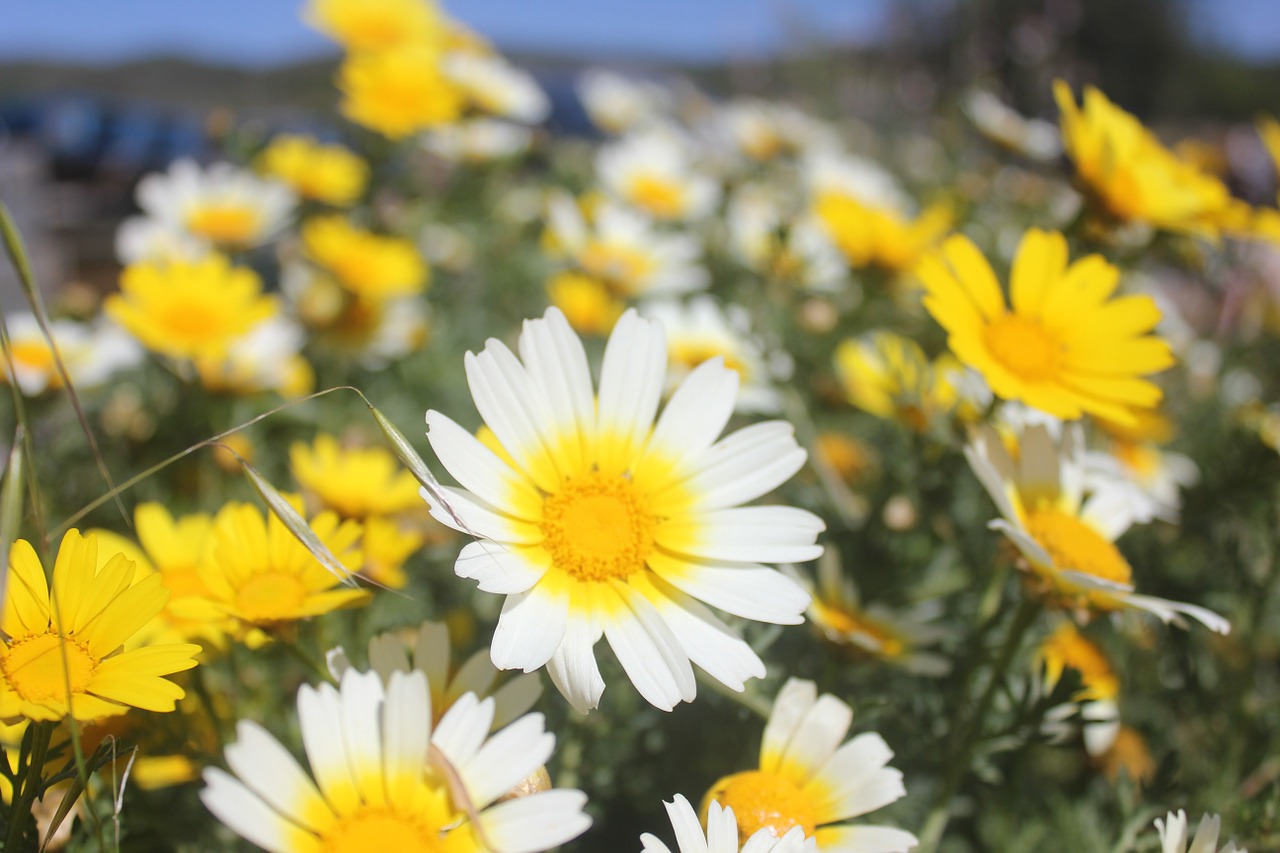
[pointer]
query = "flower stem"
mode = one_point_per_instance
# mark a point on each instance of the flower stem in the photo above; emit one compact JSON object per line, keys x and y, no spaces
{"x":26,"y":789}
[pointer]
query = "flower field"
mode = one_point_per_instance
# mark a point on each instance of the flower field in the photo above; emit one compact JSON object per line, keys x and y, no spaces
{"x":735,"y":477}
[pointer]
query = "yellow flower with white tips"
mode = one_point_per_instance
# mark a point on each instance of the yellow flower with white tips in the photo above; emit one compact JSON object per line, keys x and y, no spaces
{"x":721,"y":834}
{"x":327,"y":173}
{"x":596,"y":522}
{"x":1066,"y":539}
{"x":1130,"y":174}
{"x":808,"y":779}
{"x":1067,"y":648}
{"x":91,"y":354}
{"x":1065,"y":346}
{"x":61,"y":651}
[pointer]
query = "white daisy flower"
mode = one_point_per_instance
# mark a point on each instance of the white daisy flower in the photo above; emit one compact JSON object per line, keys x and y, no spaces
{"x":268,"y":358}
{"x":477,"y":140}
{"x":388,"y":654}
{"x":766,"y":130}
{"x":1155,"y":477}
{"x":808,"y":779}
{"x":617,"y":104}
{"x":595,"y":521}
{"x":91,"y":354}
{"x":1066,"y":538}
{"x":141,"y":239}
{"x":1173,"y":835}
{"x":498,"y":88}
{"x":721,"y":835}
{"x":622,"y":249}
{"x":654,"y":172}
{"x":223,"y":206}
{"x":1035,"y":139}
{"x":702,"y":330}
{"x":379,"y":781}
{"x":776,"y":245}
{"x":857,"y":178}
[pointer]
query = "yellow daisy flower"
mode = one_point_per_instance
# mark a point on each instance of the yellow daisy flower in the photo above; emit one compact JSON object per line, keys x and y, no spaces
{"x":54,"y":665}
{"x":882,"y":237}
{"x":355,"y":482}
{"x":327,"y":173}
{"x":368,"y":25}
{"x":261,"y":575}
{"x":1130,"y":174}
{"x":386,"y":545}
{"x":190,"y":310}
{"x":889,"y":376}
{"x":398,"y":92}
{"x":807,"y":778}
{"x":368,"y":265}
{"x":586,"y":301}
{"x":1065,"y":347}
{"x":1066,"y":648}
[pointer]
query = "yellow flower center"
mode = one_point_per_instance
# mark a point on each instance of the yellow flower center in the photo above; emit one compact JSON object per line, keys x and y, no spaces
{"x":618,"y":265}
{"x":598,"y":527}
{"x":193,"y":322}
{"x":1076,"y":546}
{"x":33,"y":354}
{"x":33,"y":667}
{"x":270,"y":597}
{"x":692,"y":353}
{"x":660,"y":197}
{"x":761,"y":800}
{"x":380,"y":828}
{"x":1024,"y":347}
{"x":227,"y":223}
{"x":846,"y":622}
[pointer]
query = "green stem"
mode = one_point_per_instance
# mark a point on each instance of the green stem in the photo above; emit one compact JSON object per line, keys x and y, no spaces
{"x":964,"y":737}
{"x":299,"y":654}
{"x":27,"y":788}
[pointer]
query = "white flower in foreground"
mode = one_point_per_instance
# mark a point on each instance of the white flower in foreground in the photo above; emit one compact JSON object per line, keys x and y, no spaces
{"x":617,"y":104}
{"x":654,"y":171}
{"x":388,"y":654}
{"x":722,"y":834}
{"x":378,"y":786}
{"x":808,"y":779}
{"x":1066,"y":538}
{"x":1173,"y":835}
{"x":595,"y":521}
{"x":90,"y":354}
{"x":223,"y":206}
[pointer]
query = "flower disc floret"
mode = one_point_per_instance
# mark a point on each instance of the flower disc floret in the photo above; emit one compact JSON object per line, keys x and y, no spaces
{"x":764,"y":801}
{"x":598,"y":528}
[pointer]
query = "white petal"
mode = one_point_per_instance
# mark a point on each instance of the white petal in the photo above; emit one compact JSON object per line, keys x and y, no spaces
{"x":500,"y":569}
{"x":708,"y":642}
{"x":273,"y":774}
{"x":247,"y":815}
{"x":530,"y":629}
{"x":745,"y":465}
{"x":320,"y":721}
{"x":477,"y":468}
{"x":574,"y":669}
{"x":855,"y":780}
{"x":722,"y":830}
{"x":635,"y":363}
{"x":507,"y":758}
{"x":387,"y":654}
{"x":696,"y":413}
{"x":537,"y":822}
{"x":650,"y":655}
{"x":815,"y":738}
{"x":684,"y":821}
{"x":794,"y":700}
{"x":764,"y":534}
{"x":362,"y":695}
{"x":431,"y":654}
{"x":866,"y":839}
{"x":557,"y":367}
{"x":406,"y":733}
{"x":466,"y":513}
{"x":463,"y":729}
{"x":1168,"y":611}
{"x":744,"y":589}
{"x":500,"y":387}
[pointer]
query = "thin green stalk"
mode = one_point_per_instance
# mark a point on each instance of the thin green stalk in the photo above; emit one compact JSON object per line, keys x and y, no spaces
{"x":27,"y":789}
{"x":964,"y":737}
{"x":299,"y":654}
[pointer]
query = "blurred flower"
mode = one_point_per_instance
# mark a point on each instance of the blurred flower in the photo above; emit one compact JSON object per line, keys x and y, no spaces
{"x":52,"y":666}
{"x":371,"y":25}
{"x":848,"y":457}
{"x":190,"y":310}
{"x":1066,"y":347}
{"x":611,"y":525}
{"x":653,"y":171}
{"x":702,"y":330}
{"x":267,"y":358}
{"x":143,"y":239}
{"x":1066,"y":648}
{"x":327,"y":173}
{"x":794,"y":249}
{"x":1173,"y":835}
{"x":722,"y":835}
{"x":889,"y":376}
{"x":1129,"y":754}
{"x":366,"y":264}
{"x":805,"y":780}
{"x":478,"y":140}
{"x":1032,"y":138}
{"x":623,"y":250}
{"x":386,"y":545}
{"x":355,"y":482}
{"x":1156,"y":476}
{"x":398,"y":92}
{"x":864,"y":213}
{"x":875,"y":631}
{"x":1130,"y":174}
{"x":386,"y":779}
{"x":262,"y":575}
{"x":763,"y":131}
{"x":429,"y":645}
{"x":223,"y":206}
{"x":495,"y":87}
{"x":617,"y":104}
{"x":91,"y":354}
{"x":585,"y":301}
{"x":1066,"y":539}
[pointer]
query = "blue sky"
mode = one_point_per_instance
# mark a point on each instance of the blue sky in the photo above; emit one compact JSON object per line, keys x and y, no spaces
{"x":268,"y":32}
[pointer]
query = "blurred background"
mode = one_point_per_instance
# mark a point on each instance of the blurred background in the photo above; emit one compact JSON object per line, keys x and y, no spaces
{"x":93,"y":95}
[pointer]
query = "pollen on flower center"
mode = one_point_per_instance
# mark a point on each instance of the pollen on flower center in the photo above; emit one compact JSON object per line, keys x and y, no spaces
{"x":374,"y":828}
{"x":761,"y":800}
{"x":1076,"y":546}
{"x":224,"y":223}
{"x":33,"y":666}
{"x":598,"y":527}
{"x":270,"y":596}
{"x":1024,"y":347}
